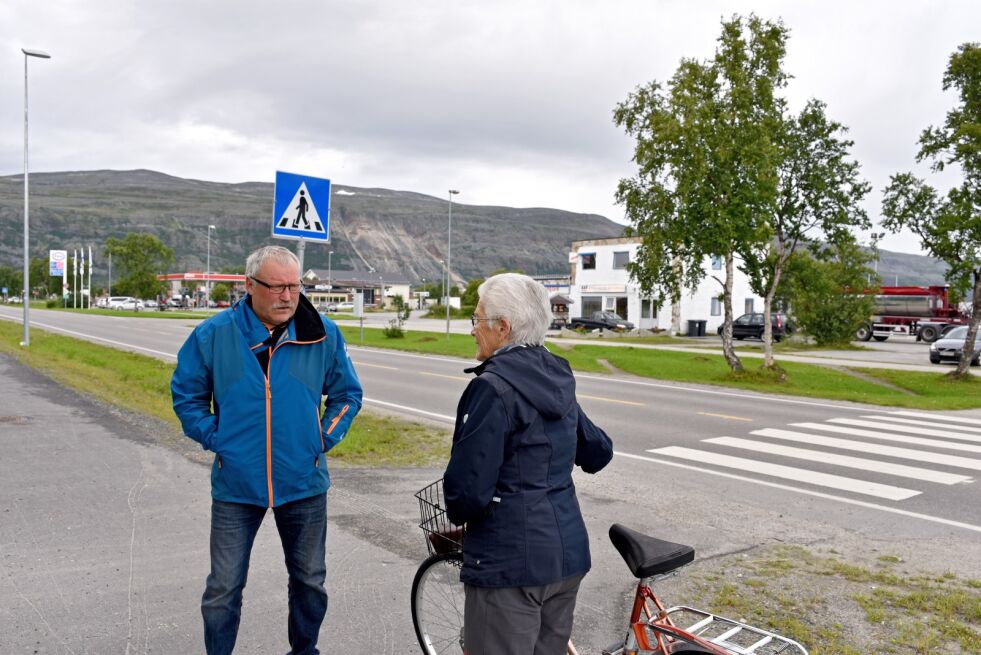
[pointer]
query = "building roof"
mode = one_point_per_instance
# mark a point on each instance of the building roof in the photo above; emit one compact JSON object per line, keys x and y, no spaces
{"x":342,"y":277}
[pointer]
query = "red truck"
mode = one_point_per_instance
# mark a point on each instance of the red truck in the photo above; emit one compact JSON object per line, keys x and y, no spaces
{"x":923,"y":312}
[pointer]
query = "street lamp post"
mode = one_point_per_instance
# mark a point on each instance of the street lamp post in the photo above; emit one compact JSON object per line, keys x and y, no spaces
{"x":449,"y":241}
{"x":207,"y":273}
{"x":26,"y":297}
{"x":330,"y":284}
{"x":442,"y":280}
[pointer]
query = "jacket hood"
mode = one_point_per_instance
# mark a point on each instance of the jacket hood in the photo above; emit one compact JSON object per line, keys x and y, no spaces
{"x":541,"y":378}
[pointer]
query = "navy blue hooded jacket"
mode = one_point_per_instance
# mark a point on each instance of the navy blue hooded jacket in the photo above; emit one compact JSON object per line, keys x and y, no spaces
{"x":519,"y":432}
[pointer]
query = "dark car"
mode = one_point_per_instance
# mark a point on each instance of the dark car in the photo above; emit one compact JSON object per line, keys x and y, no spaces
{"x":751,"y":325}
{"x":950,"y":347}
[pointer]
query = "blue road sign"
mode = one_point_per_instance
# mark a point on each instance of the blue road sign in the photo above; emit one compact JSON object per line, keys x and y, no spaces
{"x":301,"y":207}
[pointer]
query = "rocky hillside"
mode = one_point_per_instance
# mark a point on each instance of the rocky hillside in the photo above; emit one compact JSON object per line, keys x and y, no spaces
{"x":388,"y":230}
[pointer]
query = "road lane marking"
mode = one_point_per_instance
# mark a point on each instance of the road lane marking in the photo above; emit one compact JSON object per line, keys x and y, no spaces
{"x":847,"y":461}
{"x":611,"y":400}
{"x":807,"y":492}
{"x":806,"y":476}
{"x":390,"y":368}
{"x":733,"y":418}
{"x":878,"y":449}
{"x":909,"y":421}
{"x":412,"y":410}
{"x":889,"y":436}
{"x":939,"y":417}
{"x":443,"y":375}
{"x":125,"y":346}
{"x":926,"y":432}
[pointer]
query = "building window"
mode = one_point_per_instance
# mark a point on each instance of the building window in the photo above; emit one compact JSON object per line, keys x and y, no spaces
{"x":620,"y":260}
{"x":716,"y":307}
{"x":588,"y":261}
{"x":716,"y":263}
{"x":590,"y":305}
{"x":748,"y":306}
{"x":647,"y":308}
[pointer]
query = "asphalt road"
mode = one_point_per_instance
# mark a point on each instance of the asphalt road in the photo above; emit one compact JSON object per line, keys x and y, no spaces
{"x":699,"y":465}
{"x":910,"y":471}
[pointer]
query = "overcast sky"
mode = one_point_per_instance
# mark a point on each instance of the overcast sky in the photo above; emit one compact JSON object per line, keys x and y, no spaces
{"x":508,"y":101}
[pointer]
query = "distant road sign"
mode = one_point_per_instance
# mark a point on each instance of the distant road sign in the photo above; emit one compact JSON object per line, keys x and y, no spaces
{"x":56,"y":262}
{"x":301,"y":207}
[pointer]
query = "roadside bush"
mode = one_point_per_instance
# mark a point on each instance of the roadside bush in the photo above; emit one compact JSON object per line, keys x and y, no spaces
{"x":825,"y":292}
{"x":394,"y":330}
{"x":52,"y":302}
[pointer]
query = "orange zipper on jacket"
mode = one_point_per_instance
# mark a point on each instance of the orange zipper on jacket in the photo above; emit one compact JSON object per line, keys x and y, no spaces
{"x":269,"y":462}
{"x":333,"y":422}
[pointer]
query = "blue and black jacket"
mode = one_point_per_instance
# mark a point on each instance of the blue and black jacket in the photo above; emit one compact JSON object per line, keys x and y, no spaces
{"x":519,"y":433}
{"x":265,"y":426}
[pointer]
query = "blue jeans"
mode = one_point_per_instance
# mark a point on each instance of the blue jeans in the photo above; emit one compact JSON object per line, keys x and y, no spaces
{"x":302,"y":526}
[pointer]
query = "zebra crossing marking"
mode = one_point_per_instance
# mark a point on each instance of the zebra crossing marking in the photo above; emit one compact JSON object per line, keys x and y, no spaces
{"x":939,"y":417}
{"x":879,"y":449}
{"x":926,"y":432}
{"x":910,"y":421}
{"x":888,"y":436}
{"x":842,"y":483}
{"x":847,"y":461}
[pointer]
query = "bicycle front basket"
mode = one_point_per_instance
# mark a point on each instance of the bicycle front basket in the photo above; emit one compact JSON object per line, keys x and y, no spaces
{"x":442,"y":536}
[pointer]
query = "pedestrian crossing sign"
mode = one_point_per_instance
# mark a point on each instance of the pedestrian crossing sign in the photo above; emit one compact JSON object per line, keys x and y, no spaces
{"x":301,"y":207}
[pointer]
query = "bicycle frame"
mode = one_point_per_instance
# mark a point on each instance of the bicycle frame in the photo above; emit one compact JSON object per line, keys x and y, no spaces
{"x":649,"y":614}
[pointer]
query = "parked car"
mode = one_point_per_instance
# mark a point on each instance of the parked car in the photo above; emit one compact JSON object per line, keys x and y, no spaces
{"x":126,"y":302}
{"x":950,"y":347}
{"x":751,"y":325}
{"x":14,"y":300}
{"x":345,"y":307}
{"x":325,"y":307}
{"x":150,"y":304}
{"x":601,"y":321}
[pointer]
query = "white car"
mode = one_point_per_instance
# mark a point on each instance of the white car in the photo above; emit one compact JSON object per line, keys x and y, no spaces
{"x":126,"y":302}
{"x":345,"y":307}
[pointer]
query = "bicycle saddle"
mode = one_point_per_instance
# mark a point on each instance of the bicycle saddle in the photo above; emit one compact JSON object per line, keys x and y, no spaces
{"x":647,"y":556}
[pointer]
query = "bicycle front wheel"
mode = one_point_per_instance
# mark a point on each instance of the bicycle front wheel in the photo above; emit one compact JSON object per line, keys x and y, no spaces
{"x":437,"y":605}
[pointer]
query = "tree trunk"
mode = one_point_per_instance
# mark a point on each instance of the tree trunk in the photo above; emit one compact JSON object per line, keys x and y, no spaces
{"x":972,"y":332}
{"x":675,"y":313}
{"x":767,"y":310}
{"x":727,"y":350}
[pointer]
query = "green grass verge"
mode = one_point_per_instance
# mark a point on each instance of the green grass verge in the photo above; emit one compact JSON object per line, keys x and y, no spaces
{"x":141,"y":384}
{"x":146,"y":313}
{"x":887,"y":610}
{"x":923,"y":390}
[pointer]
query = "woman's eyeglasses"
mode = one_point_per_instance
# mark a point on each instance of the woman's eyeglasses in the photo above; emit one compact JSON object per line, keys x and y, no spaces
{"x":474,"y":319}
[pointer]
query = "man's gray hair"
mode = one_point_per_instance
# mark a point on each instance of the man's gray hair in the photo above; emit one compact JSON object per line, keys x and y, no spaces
{"x":278,"y":254}
{"x":522,"y":301}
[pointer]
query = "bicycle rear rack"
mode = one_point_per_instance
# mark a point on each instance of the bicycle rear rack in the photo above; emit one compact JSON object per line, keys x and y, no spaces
{"x":734,"y":636}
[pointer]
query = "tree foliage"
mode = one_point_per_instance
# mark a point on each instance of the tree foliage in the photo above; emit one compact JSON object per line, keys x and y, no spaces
{"x":219,"y":292}
{"x":819,"y":192}
{"x":139,"y":258}
{"x":827,"y":285}
{"x":949,"y":226}
{"x":706,"y":162}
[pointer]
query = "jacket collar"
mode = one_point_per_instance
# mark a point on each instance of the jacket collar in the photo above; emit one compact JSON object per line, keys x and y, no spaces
{"x":305,"y":325}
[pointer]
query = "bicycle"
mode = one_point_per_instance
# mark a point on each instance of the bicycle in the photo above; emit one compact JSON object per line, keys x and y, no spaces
{"x":438,"y":597}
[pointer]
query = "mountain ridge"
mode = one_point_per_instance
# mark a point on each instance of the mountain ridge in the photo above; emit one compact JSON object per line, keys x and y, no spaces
{"x":389,"y":230}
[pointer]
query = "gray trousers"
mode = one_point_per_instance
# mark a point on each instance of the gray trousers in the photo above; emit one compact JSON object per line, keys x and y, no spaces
{"x":520,"y":620}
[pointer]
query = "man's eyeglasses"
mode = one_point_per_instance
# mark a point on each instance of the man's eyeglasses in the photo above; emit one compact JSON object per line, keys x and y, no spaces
{"x":278,"y":288}
{"x":474,"y":319}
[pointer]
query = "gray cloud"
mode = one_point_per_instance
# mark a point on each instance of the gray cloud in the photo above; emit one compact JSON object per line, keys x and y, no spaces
{"x":510,"y":101}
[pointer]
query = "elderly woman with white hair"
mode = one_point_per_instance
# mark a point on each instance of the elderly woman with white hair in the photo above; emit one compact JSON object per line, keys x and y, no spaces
{"x":519,"y":434}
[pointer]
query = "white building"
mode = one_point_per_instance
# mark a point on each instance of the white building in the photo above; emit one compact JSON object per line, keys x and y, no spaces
{"x":600,"y":282}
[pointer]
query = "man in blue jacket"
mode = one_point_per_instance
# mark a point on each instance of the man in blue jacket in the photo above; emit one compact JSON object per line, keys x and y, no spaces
{"x":519,"y":434}
{"x":248,"y":387}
